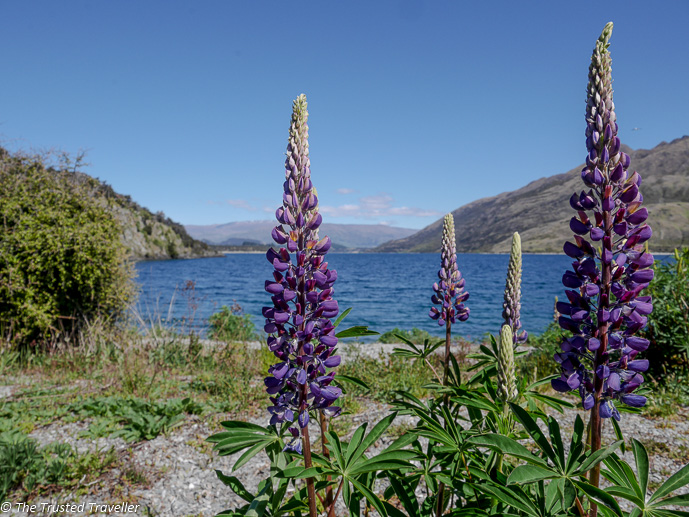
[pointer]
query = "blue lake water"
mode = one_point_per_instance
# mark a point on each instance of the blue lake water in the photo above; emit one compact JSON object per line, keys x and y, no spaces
{"x":385,"y":290}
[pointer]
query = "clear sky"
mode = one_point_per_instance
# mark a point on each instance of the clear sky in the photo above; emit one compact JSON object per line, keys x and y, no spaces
{"x":416,"y":107}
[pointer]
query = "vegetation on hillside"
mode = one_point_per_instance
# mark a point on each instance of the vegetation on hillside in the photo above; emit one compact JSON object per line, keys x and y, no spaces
{"x":62,"y":263}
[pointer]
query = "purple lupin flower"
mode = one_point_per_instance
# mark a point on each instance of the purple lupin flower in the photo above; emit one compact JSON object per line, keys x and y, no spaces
{"x":300,"y":331}
{"x":449,"y":291}
{"x":604,"y":308}
{"x":511,"y":306}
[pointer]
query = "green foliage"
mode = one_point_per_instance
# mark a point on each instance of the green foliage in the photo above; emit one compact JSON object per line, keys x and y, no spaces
{"x":61,"y":260}
{"x":229,"y":324}
{"x":27,"y":468}
{"x":668,"y":324}
{"x":140,"y":419}
{"x":416,"y":336}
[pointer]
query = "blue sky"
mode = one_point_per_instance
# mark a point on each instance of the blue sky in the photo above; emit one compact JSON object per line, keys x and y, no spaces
{"x":416,"y":108}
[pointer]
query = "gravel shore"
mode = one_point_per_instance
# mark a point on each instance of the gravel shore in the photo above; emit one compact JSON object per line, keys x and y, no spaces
{"x":175,"y":474}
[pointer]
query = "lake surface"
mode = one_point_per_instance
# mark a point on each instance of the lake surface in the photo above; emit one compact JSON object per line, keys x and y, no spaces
{"x":385,"y":290}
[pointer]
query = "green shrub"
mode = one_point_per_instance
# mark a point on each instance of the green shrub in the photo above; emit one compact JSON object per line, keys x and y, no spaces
{"x":62,"y":263}
{"x":229,"y":324}
{"x":539,"y":362}
{"x":416,"y":336}
{"x":668,"y":324}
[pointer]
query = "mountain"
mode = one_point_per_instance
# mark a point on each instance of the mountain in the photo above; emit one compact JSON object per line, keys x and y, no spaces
{"x":144,"y":234}
{"x":540,"y":211}
{"x":147,"y":235}
{"x":155,"y":236}
{"x":258,"y":232}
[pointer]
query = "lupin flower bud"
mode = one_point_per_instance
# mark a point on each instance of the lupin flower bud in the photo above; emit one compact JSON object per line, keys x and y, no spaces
{"x":507,"y":377}
{"x":604,"y":308}
{"x":449,"y":290}
{"x":299,"y":326}
{"x":511,"y":307}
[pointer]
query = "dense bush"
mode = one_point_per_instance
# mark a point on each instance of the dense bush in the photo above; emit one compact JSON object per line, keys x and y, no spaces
{"x":61,"y":259}
{"x":229,"y":324}
{"x":668,"y":324}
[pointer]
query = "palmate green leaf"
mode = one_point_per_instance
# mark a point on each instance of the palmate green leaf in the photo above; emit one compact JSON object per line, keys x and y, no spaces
{"x":600,"y":496}
{"x":437,"y":434}
{"x":505,"y":445}
{"x":541,"y":382}
{"x":477,"y":402}
{"x":238,"y":442}
{"x":512,"y":496}
{"x":370,"y":497}
{"x":641,"y":460}
{"x":393,"y":511}
{"x":406,"y":495}
{"x":535,"y":432}
{"x":568,"y":494}
{"x":556,"y":440}
{"x":620,"y":474}
{"x":236,"y":486}
{"x":303,"y":473}
{"x":626,"y":493}
{"x":471,"y":512}
{"x":406,"y":340}
{"x":406,"y":353}
{"x":299,"y":500}
{"x":250,"y":453}
{"x":335,"y":447}
{"x":352,"y":380}
{"x":342,"y":316}
{"x":356,"y":331}
{"x":372,"y":437}
{"x":554,"y":402}
{"x":354,"y":443}
{"x":618,"y":434}
{"x":455,"y":377}
{"x":597,"y":457}
{"x":239,"y":424}
{"x":365,"y":467}
{"x":678,"y":500}
{"x":402,"y":441}
{"x":525,"y":474}
{"x":576,"y":445}
{"x":553,"y":493}
{"x":667,"y":513}
{"x":677,"y":480}
{"x":258,"y":505}
{"x":279,"y":494}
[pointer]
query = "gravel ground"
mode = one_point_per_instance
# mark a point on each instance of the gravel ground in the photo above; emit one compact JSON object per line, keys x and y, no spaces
{"x":179,"y":469}
{"x":175,"y":474}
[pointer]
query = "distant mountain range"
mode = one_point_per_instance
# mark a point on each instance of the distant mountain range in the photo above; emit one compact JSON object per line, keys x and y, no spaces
{"x":540,"y":211}
{"x":343,"y":236}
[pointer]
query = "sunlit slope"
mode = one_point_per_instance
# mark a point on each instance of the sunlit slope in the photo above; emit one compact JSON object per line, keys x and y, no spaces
{"x":540,"y":211}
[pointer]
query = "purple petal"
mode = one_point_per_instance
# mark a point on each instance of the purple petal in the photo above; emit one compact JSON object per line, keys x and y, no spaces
{"x":638,"y":365}
{"x":634,"y":400}
{"x":303,"y":419}
{"x":560,"y":385}
{"x":638,"y":217}
{"x":333,"y":361}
